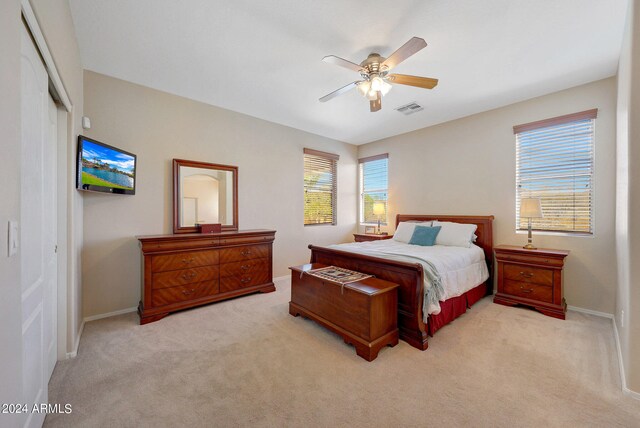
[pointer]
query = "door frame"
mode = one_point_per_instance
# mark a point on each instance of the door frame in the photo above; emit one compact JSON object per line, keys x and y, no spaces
{"x":65,"y":179}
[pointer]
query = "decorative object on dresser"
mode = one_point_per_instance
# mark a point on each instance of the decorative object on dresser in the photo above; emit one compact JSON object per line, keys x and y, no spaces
{"x":365,"y":237}
{"x":531,"y":278}
{"x":378,"y":211}
{"x":185,"y":270}
{"x":410,"y":278}
{"x":209,"y":228}
{"x":363,"y":312}
{"x":204,"y":193}
{"x":530,"y":208}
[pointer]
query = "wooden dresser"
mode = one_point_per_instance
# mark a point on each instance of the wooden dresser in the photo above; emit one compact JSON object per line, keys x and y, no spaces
{"x":185,"y":270}
{"x":531,"y":278}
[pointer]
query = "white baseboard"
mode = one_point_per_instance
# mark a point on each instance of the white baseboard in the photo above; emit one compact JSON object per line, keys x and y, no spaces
{"x":623,"y":377}
{"x":74,"y":353}
{"x":281,"y":278}
{"x":110,"y":314}
{"x":590,"y":312}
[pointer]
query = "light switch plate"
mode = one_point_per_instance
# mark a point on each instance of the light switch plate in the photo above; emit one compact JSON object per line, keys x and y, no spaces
{"x":13,"y":238}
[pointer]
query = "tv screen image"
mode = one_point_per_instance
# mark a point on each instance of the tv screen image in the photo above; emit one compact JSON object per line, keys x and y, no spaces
{"x":103,"y":168}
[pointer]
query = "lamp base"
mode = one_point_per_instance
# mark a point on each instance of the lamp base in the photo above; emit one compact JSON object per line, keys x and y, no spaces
{"x":530,"y":246}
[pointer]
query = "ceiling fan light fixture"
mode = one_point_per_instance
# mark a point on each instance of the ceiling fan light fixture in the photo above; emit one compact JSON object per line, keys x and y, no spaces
{"x":363,"y":87}
{"x":376,"y":83}
{"x":385,"y":87}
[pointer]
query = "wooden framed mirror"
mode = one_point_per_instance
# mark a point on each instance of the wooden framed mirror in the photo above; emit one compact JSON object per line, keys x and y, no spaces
{"x":204,"y":193}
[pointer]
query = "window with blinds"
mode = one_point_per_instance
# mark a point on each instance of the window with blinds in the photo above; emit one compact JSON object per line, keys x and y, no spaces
{"x":320,"y":187}
{"x":374,"y":181}
{"x":554,"y":163}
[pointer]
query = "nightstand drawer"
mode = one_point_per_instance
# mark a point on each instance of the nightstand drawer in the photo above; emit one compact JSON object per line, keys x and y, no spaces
{"x":529,"y":259}
{"x":527,"y":290}
{"x":528,"y":274}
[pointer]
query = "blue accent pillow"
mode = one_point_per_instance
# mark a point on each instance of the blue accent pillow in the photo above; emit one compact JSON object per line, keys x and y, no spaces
{"x":424,"y":235}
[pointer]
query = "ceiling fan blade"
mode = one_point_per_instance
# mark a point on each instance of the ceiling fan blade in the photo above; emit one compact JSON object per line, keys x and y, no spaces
{"x":340,"y":91}
{"x":332,"y":59}
{"x":417,"y":81}
{"x":375,"y":105}
{"x":404,"y":52}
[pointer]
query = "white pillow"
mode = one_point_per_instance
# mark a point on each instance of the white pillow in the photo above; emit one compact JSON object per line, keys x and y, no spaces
{"x":455,"y":234}
{"x":405,"y":229}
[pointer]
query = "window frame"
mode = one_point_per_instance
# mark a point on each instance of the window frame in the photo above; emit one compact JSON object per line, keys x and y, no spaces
{"x":361,"y":162}
{"x":333,"y":160}
{"x":591,"y":115}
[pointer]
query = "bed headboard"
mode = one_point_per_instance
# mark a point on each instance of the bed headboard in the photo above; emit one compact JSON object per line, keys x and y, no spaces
{"x":484,"y":231}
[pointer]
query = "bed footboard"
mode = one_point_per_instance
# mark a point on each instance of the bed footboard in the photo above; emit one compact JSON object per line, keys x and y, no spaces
{"x":408,"y":276}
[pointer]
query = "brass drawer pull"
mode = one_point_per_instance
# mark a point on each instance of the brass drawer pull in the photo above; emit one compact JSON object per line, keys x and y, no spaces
{"x":527,"y":274}
{"x":188,"y":292}
{"x":189,"y":275}
{"x":187,"y":261}
{"x":245,"y":280}
{"x":245,"y":252}
{"x":526,"y":290}
{"x":245,"y":267}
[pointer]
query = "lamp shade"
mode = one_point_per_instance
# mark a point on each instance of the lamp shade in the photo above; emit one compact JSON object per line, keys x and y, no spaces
{"x":530,"y":207}
{"x":378,"y":208}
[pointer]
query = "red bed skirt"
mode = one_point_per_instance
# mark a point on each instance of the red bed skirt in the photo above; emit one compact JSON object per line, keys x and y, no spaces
{"x":452,"y":308}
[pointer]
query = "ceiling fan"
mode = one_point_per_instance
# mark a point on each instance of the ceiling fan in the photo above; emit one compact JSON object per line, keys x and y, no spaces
{"x":376,"y":80}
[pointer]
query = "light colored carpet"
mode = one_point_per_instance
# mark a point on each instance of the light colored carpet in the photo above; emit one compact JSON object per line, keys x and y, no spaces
{"x":247,"y":362}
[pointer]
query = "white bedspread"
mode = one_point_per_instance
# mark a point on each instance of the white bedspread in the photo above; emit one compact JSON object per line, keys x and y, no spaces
{"x":460,"y":269}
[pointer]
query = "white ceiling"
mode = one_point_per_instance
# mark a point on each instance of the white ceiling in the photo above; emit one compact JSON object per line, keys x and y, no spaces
{"x":263,"y":57}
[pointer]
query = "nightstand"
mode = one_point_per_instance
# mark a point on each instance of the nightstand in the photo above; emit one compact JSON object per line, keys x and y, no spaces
{"x":365,"y":237}
{"x":531,"y":278}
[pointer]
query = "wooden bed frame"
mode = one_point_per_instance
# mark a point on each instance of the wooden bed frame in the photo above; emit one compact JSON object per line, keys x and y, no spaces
{"x":409,"y":275}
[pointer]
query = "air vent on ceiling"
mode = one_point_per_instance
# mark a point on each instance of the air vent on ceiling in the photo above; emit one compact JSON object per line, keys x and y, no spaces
{"x":410,"y":108}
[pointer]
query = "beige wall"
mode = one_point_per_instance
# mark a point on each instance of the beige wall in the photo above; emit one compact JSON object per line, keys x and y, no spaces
{"x":10,"y":314}
{"x":628,"y":199}
{"x":158,"y":127}
{"x":467,"y":166}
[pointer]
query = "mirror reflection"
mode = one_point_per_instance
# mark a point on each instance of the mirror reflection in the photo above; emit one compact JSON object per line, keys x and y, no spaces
{"x":204,"y":193}
{"x":206,"y":196}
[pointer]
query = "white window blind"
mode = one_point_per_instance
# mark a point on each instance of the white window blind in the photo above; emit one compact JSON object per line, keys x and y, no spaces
{"x":554,"y":162}
{"x":374,"y":183}
{"x":320,"y":187}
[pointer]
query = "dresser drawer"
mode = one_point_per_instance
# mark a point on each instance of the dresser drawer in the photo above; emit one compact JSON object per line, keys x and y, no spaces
{"x":180,"y":245}
{"x":245,"y":240}
{"x":241,"y":281}
{"x":184,"y":276}
{"x":184,"y":260}
{"x":542,"y":293}
{"x":182,"y":293}
{"x":248,"y":267}
{"x":246,"y":252}
{"x":528,"y":274}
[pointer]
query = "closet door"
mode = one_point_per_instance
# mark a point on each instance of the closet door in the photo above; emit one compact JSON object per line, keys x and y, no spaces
{"x":37,"y":231}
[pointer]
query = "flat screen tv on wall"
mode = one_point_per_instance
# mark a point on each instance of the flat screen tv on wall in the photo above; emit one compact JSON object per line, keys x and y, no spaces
{"x":103,"y":168}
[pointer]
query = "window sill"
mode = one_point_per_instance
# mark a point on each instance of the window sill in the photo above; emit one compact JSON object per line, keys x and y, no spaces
{"x":552,"y":233}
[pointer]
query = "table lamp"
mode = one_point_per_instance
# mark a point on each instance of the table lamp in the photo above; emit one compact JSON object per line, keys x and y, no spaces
{"x":378,"y":210}
{"x":530,"y":208}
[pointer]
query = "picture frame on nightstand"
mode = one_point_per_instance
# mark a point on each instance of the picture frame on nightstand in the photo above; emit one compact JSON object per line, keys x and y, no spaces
{"x":370,"y":230}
